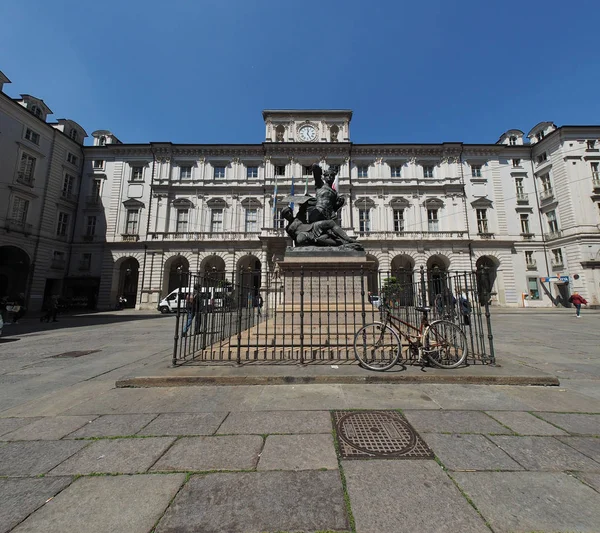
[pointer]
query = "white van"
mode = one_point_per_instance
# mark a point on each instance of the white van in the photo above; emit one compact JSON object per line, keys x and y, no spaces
{"x":169,"y":304}
{"x":210,"y":298}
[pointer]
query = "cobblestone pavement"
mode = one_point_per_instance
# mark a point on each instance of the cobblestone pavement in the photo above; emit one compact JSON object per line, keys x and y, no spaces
{"x":77,"y":454}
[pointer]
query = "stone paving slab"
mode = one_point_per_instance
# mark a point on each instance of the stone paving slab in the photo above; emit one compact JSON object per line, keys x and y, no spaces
{"x":113,"y":426}
{"x":49,"y":428}
{"x":101,"y":504}
{"x":184,"y":424}
{"x":32,"y":458}
{"x":258,"y":502}
{"x":593,"y":480}
{"x":389,"y":396}
{"x":544,"y":453}
{"x":589,"y":446}
{"x":8,"y":425}
{"x":454,"y":422}
{"x":526,"y":423}
{"x":552,"y":399}
{"x":20,"y":497}
{"x":578,"y":424}
{"x":469,"y":452}
{"x":474,"y":397}
{"x":115,"y":456}
{"x":267,"y":422}
{"x":406,"y":497}
{"x":306,"y":397}
{"x":235,"y":452}
{"x":113,"y":401}
{"x":298,"y":452}
{"x":515,"y":502}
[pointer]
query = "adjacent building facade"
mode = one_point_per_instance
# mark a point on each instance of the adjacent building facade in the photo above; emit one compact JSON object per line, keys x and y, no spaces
{"x":526,"y":207}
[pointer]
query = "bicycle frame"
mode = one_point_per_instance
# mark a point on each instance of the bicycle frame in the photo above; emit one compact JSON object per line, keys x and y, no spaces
{"x":415,"y":344}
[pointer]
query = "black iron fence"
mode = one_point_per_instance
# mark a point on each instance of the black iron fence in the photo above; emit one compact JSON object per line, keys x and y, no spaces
{"x":311,"y":316}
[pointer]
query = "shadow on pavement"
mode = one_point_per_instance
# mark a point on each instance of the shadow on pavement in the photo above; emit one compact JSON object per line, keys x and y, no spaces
{"x":32,"y":324}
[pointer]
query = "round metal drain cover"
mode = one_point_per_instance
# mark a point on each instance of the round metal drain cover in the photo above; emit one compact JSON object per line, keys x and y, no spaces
{"x":378,"y":434}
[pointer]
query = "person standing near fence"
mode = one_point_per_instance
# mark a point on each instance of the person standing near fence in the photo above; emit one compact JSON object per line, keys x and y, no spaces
{"x":192,"y":305}
{"x":464,"y":307}
{"x":577,"y":300}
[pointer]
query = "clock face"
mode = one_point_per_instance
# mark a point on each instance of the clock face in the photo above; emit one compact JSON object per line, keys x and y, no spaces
{"x":307,"y":133}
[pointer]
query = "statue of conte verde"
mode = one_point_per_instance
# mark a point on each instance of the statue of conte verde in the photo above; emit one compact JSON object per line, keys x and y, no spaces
{"x":316,"y":222}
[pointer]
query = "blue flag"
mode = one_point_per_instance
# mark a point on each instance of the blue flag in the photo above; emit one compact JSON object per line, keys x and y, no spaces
{"x":292,"y":193}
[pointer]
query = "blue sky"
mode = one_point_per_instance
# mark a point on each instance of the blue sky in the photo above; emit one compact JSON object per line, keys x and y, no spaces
{"x":202,"y":71}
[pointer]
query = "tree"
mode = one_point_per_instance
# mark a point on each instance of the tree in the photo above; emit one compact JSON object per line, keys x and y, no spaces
{"x":391,"y":291}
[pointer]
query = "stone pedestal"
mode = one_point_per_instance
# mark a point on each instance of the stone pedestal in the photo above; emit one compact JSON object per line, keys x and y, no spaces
{"x":319,"y":276}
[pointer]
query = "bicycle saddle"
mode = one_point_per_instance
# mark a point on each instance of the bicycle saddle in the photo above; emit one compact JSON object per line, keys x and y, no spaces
{"x":423,"y":309}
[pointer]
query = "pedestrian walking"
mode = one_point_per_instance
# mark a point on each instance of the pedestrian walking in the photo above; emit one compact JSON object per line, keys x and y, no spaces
{"x":192,"y":305}
{"x":464,"y":307}
{"x":51,"y":310}
{"x":577,"y":300}
{"x":258,"y":303}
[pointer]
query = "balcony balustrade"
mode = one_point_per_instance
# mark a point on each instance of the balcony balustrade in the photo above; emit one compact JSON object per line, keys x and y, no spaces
{"x":522,"y":198}
{"x":553,"y":235}
{"x":12,"y":224}
{"x":25,"y":179}
{"x":531,"y":265}
{"x":546,"y":195}
{"x":208,"y":235}
{"x":596,"y":181}
{"x":527,"y":236}
{"x":486,"y":235}
{"x":58,"y":264}
{"x":130,"y":237}
{"x":557,"y":264}
{"x":69,"y":196}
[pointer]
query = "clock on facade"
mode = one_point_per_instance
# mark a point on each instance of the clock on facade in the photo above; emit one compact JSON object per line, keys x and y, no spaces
{"x":307,"y":133}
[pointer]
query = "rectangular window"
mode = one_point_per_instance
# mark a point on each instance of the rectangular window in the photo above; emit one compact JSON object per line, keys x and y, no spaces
{"x":86,"y":261}
{"x":185,"y":173}
{"x":519,"y":187}
{"x":364,"y":220}
{"x":58,"y":259}
{"x":96,"y":189}
{"x":546,"y":186}
{"x":90,"y":227}
{"x":363,"y":171}
{"x":557,"y":257}
{"x":219,"y":172}
{"x":512,"y":140}
{"x":98,"y":164}
{"x":396,"y":172}
{"x":432,"y":220}
{"x":482,"y":221}
{"x":182,"y":220}
{"x":540,"y":135}
{"x":216,"y":220}
{"x":32,"y":136}
{"x":63,"y":224}
{"x":476,"y":171}
{"x":279,"y":221}
{"x":532,"y":286}
{"x":529,"y":258}
{"x":19,"y":210}
{"x":306,"y":170}
{"x":252,"y":172}
{"x":137,"y":174}
{"x":26,"y":169}
{"x":398,"y":220}
{"x":552,"y":222}
{"x":68,"y":186}
{"x":131,"y":223}
{"x":542,"y":157}
{"x":516,"y":163}
{"x":251,"y":220}
{"x":525,"y":224}
{"x":71,"y":158}
{"x":280,"y":170}
{"x":595,"y":170}
{"x":428,"y":171}
{"x":591,"y":144}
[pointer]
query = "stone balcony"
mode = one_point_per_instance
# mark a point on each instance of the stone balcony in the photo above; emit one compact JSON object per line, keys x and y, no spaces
{"x":130,"y":237}
{"x":410,"y":235}
{"x":557,"y":264}
{"x":531,"y":265}
{"x":522,"y":198}
{"x":216,"y":236}
{"x":546,"y":196}
{"x":553,"y":235}
{"x":16,"y":225}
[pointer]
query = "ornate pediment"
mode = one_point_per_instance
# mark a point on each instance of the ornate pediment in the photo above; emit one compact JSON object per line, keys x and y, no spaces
{"x":399,"y":202}
{"x":133,"y":204}
{"x":433,"y":203}
{"x":216,"y":202}
{"x":251,"y":203}
{"x":183,"y":203}
{"x":482,"y":203}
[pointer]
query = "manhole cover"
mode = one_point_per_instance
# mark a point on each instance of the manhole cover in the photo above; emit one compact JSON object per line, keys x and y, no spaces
{"x":381,"y":434}
{"x":75,"y":354}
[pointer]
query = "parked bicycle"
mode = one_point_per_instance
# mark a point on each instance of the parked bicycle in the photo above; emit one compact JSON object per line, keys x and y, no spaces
{"x":378,"y":346}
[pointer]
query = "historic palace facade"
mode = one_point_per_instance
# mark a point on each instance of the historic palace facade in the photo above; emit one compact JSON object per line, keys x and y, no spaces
{"x":527,"y":207}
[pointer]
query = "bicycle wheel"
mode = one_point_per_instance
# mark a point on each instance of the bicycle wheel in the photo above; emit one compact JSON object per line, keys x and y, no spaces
{"x":377,"y":346}
{"x":445,"y":344}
